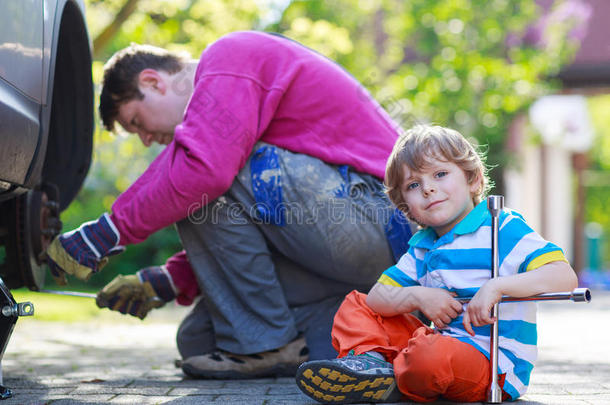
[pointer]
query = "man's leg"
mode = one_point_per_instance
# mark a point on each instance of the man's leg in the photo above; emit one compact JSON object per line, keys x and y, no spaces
{"x":312,"y":319}
{"x":332,"y":230}
{"x":236,"y":274}
{"x":329,"y":220}
{"x":196,"y":333}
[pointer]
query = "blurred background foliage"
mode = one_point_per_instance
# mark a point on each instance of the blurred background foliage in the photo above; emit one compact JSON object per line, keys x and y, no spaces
{"x":597,"y":177}
{"x":460,"y":63}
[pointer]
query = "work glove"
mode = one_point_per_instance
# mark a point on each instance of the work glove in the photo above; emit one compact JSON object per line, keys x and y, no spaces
{"x":83,"y":251}
{"x":138,"y":293}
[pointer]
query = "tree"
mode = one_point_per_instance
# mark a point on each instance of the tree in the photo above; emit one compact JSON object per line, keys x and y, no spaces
{"x":459,"y":63}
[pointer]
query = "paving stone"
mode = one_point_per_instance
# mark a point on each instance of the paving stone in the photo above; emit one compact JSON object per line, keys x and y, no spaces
{"x":231,"y":390}
{"x":584,"y":389}
{"x":287,"y":400}
{"x":103,"y":389}
{"x":60,"y":400}
{"x":291,"y":400}
{"x":546,"y":389}
{"x":138,"y":399}
{"x":179,"y":382}
{"x":192,"y":399}
{"x":551,"y":400}
{"x":132,"y":362}
{"x":287,"y":389}
{"x":240,"y":400}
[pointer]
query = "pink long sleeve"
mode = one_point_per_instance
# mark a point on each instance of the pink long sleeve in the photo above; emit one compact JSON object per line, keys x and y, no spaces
{"x":209,"y":148}
{"x":252,"y":86}
{"x":183,"y":277}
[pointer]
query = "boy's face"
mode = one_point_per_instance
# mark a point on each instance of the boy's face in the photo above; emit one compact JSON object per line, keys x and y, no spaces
{"x":439,"y":195}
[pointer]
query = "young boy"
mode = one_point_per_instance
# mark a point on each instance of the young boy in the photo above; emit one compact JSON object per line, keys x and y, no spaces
{"x":437,"y":178}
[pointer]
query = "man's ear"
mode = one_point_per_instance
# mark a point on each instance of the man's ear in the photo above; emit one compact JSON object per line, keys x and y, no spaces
{"x":151,"y":79}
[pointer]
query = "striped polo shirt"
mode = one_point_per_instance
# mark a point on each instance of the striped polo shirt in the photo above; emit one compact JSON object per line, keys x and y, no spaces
{"x":460,"y":262}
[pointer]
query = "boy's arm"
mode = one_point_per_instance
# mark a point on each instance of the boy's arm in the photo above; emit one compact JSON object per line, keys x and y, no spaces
{"x":436,"y":304}
{"x":552,"y":277}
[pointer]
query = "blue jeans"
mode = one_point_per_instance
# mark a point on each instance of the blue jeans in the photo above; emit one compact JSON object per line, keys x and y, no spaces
{"x":276,"y":255}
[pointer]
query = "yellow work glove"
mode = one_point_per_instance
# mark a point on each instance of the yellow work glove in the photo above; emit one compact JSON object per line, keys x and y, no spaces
{"x":83,"y":251}
{"x":138,"y":293}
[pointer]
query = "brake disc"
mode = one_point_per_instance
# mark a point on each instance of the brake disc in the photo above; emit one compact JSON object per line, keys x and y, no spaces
{"x":30,"y":220}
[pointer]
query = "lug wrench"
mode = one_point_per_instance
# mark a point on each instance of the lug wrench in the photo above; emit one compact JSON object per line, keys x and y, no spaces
{"x":86,"y":295}
{"x":577,"y":295}
{"x":495,"y":203}
{"x":70,"y":293}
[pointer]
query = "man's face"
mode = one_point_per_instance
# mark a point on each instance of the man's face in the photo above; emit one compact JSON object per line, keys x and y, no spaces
{"x":153,"y":118}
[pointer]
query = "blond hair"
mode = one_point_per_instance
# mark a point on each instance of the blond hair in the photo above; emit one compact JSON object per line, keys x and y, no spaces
{"x":422,"y":143}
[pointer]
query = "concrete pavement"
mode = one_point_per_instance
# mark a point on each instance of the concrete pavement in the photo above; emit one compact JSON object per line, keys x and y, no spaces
{"x":131,"y":362}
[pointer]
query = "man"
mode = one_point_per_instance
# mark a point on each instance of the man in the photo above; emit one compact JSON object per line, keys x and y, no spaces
{"x":272,"y":174}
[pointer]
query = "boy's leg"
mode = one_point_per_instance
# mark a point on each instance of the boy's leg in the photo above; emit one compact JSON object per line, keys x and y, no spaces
{"x":358,"y":376}
{"x":358,"y":328}
{"x":434,"y":366}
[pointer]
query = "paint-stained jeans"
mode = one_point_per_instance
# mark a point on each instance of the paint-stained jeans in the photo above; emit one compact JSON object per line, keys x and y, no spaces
{"x":276,"y":255}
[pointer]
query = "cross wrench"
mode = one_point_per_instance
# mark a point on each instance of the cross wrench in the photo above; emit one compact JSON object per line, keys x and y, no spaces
{"x":495,"y":203}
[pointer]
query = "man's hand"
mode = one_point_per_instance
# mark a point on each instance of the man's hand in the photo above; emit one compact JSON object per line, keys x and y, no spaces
{"x":439,"y":306}
{"x":478,"y":310}
{"x":83,"y":251}
{"x":137,"y":294}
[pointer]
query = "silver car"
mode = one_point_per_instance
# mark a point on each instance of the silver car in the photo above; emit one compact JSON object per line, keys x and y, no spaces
{"x":46,"y":127}
{"x":46,"y":137}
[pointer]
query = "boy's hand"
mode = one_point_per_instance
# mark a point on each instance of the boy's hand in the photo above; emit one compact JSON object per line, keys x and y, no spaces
{"x":478,"y":310}
{"x":439,"y":306}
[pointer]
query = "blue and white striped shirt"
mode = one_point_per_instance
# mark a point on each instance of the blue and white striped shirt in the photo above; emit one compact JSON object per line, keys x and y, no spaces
{"x":460,"y":261}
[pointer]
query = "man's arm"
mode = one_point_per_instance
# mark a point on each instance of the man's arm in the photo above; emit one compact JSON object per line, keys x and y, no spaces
{"x":151,"y":288}
{"x":224,"y":119}
{"x":183,"y":278}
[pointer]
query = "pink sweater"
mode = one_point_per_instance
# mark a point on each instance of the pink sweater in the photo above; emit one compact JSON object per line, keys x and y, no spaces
{"x":250,"y":87}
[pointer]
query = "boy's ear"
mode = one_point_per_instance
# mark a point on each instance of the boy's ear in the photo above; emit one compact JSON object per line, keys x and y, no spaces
{"x":476,"y":186}
{"x":151,"y":79}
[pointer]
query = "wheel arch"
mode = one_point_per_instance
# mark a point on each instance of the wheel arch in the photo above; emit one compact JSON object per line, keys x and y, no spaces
{"x":67,"y":118}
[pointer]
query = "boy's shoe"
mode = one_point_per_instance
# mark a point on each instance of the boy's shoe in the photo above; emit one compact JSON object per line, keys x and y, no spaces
{"x":282,"y":362}
{"x":349,"y":379}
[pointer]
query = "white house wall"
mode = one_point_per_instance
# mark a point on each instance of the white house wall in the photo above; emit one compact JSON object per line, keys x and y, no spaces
{"x":524,"y":186}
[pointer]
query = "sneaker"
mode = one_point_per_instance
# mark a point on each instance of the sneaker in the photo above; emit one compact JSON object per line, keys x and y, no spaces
{"x":349,"y":379}
{"x":282,"y":362}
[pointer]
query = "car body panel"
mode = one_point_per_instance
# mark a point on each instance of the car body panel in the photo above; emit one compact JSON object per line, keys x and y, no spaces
{"x":46,"y":128}
{"x":19,"y":133}
{"x":21,"y":46}
{"x":37,"y":142}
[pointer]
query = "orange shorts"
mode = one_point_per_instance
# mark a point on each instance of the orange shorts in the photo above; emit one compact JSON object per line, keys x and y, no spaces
{"x":427,"y":365}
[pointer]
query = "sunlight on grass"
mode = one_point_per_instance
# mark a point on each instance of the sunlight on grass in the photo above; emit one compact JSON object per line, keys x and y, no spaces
{"x":52,"y":307}
{"x":63,"y":308}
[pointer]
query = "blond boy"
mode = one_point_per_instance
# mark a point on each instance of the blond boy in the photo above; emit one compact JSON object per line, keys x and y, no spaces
{"x":386,"y":354}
